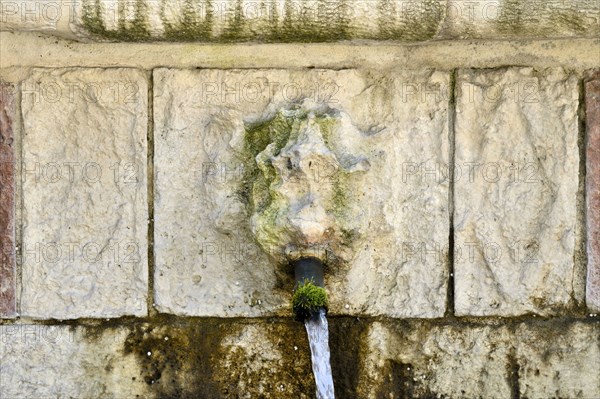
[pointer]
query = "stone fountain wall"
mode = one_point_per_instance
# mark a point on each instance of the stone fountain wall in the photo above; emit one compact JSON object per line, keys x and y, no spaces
{"x":469,"y":264}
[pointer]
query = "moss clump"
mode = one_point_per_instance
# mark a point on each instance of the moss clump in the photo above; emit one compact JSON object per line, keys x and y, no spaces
{"x":308,"y":299}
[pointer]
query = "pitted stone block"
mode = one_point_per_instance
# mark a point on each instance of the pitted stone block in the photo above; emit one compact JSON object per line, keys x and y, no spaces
{"x":212,"y":126}
{"x":516,"y":182}
{"x":85,"y":208}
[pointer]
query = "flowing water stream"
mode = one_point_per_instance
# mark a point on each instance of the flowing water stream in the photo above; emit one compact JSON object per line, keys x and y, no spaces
{"x":318,"y":338}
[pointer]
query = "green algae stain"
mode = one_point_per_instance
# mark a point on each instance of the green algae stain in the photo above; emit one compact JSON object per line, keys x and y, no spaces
{"x":265,"y":21}
{"x":194,"y":23}
{"x":539,"y":18}
{"x":409,"y":21}
{"x":128,"y":29}
{"x":235,"y":28}
{"x":257,"y":182}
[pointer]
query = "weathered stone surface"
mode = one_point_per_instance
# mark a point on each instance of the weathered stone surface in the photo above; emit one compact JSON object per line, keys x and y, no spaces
{"x":421,"y":360}
{"x":304,"y":21}
{"x":8,"y":273}
{"x":269,"y":361}
{"x":43,"y":361}
{"x":489,"y":19}
{"x":517,"y":167}
{"x":38,"y":15}
{"x":264,"y":21}
{"x":162,"y":359}
{"x":559,"y":361}
{"x":545,"y":359}
{"x":592,"y":108}
{"x":85,"y":196}
{"x":395,"y":214}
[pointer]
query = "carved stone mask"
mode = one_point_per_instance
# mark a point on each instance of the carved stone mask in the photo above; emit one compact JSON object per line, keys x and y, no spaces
{"x":298,"y":194}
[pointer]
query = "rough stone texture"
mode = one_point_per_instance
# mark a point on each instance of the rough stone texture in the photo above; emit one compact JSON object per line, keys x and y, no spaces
{"x":85,"y":196}
{"x":545,"y":359}
{"x":227,"y":358}
{"x":199,"y":359}
{"x":515,"y":192}
{"x":266,"y":361}
{"x":559,"y":361}
{"x":43,"y":361}
{"x":592,"y":108}
{"x":264,"y":21}
{"x":207,"y":260}
{"x":420,"y":360}
{"x":37,"y":15}
{"x":304,"y":21}
{"x":487,"y":19}
{"x":8,"y":274}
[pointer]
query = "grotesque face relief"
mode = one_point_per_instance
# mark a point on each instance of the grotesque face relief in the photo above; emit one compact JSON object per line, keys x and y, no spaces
{"x":299,"y":193}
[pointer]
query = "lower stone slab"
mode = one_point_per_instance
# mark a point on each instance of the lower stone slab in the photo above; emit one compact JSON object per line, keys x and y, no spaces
{"x":208,"y":261}
{"x":8,"y":273}
{"x":85,"y":209}
{"x":192,"y":358}
{"x":45,"y":361}
{"x":186,"y":359}
{"x":516,"y":187}
{"x":424,"y":360}
{"x":546,"y":359}
{"x":557,"y":360}
{"x":592,"y":109}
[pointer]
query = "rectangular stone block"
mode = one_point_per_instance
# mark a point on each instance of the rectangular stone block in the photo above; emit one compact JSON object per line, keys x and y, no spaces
{"x":494,"y":19}
{"x":558,"y":361}
{"x":187,"y":359}
{"x":592,"y":110}
{"x":516,"y":180}
{"x":85,"y":210}
{"x":53,"y":361}
{"x":421,"y":360}
{"x":8,"y":273}
{"x":393,"y":207}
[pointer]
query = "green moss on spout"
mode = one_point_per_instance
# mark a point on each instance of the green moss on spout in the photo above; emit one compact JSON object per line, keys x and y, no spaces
{"x":308,"y":299}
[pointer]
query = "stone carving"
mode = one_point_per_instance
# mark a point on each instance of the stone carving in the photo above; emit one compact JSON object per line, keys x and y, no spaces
{"x":298,"y":194}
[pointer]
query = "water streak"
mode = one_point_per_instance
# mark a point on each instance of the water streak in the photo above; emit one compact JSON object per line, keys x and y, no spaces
{"x":318,"y":338}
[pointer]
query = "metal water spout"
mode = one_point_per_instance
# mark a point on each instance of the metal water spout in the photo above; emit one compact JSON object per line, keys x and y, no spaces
{"x":310,"y":269}
{"x":310,"y":306}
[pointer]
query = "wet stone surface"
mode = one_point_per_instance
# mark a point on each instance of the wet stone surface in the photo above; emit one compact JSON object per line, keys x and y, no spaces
{"x":172,"y":357}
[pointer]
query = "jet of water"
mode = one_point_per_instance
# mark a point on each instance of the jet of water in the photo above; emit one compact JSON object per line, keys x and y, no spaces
{"x":318,"y":338}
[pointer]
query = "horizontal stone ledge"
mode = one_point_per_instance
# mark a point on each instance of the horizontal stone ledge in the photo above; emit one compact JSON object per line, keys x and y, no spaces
{"x":302,"y":20}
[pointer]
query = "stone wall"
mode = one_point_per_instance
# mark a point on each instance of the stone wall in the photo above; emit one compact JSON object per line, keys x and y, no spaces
{"x":470,"y":261}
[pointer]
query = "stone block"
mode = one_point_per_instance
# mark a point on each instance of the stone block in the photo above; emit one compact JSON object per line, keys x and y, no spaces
{"x":422,"y":360}
{"x":516,"y":182}
{"x":85,"y":210}
{"x":559,"y":360}
{"x":393,"y":259}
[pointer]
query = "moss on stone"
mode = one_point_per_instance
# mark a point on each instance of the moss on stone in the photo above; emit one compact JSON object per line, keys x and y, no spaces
{"x":416,"y":22}
{"x":256,"y":182}
{"x":136,"y":29}
{"x":308,"y":299}
{"x":191,"y":25}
